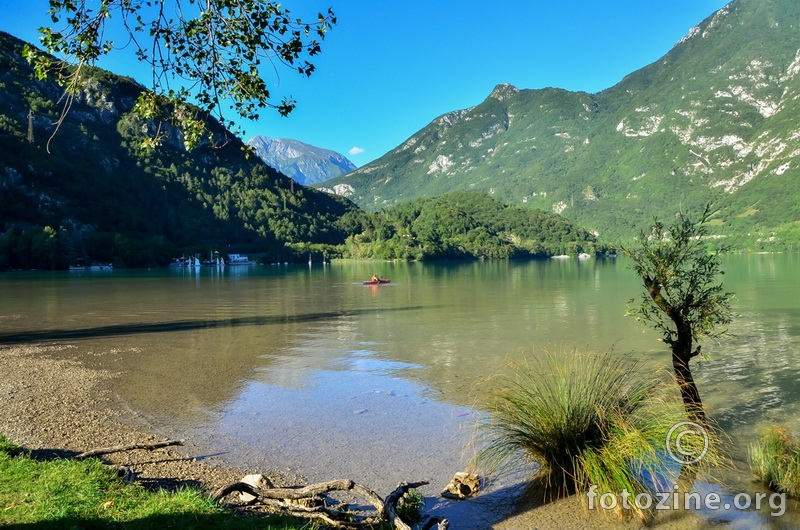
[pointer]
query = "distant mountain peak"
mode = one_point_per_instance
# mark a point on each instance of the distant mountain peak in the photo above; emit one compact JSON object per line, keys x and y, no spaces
{"x":304,"y":163}
{"x":504,"y":91}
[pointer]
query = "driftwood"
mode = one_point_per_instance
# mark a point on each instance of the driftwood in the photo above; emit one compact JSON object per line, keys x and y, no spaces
{"x":282,"y":499}
{"x":462,"y":485}
{"x":305,"y":502}
{"x":391,"y":508}
{"x":127,"y":474}
{"x":120,"y":448}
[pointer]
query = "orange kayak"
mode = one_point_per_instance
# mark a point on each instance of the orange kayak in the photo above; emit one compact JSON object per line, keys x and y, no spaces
{"x":373,"y":282}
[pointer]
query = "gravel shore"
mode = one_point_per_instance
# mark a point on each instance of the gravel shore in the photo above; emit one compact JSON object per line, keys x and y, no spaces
{"x":55,"y":406}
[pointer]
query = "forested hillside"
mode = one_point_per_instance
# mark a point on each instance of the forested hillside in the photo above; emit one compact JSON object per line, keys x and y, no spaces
{"x":94,"y":189}
{"x":463,"y":225}
{"x":90,"y":190}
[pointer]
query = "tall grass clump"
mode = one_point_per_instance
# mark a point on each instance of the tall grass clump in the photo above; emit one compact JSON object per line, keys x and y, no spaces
{"x":775,"y":459}
{"x":586,"y":419}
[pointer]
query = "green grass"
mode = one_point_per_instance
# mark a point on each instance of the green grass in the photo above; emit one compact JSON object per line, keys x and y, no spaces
{"x":775,"y":460}
{"x":586,"y":419}
{"x":85,"y":494}
{"x":411,"y":506}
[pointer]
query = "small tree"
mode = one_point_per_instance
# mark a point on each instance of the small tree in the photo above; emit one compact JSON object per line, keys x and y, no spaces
{"x":682,"y":298}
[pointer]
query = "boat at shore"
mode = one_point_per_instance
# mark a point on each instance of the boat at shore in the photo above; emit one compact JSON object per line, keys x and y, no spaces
{"x":191,"y":261}
{"x":238,"y":259}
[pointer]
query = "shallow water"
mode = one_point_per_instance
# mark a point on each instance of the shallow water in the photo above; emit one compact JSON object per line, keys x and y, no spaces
{"x":306,"y":368}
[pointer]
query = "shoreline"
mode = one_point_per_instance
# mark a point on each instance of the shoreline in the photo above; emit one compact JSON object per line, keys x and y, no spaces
{"x":55,"y":406}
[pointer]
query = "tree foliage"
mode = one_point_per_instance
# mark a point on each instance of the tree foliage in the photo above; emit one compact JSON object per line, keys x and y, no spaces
{"x":683,"y":298}
{"x":209,"y":53}
{"x":680,"y":275}
{"x":465,"y":225}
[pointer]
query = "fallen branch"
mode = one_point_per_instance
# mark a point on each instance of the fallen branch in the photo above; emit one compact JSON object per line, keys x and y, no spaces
{"x":120,"y":448}
{"x":306,"y":502}
{"x":394,"y":497}
{"x":282,"y":500}
{"x":331,"y":516}
{"x":305,"y":492}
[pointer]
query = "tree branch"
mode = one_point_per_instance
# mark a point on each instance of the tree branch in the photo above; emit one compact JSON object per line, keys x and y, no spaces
{"x":120,"y":448}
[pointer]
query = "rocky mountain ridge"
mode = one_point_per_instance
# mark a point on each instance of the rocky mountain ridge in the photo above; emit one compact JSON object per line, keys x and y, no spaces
{"x":304,"y":163}
{"x":717,"y":119}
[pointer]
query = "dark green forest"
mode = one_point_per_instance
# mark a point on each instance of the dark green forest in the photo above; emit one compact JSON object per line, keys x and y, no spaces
{"x":94,"y":190}
{"x":463,"y":225}
{"x":458,"y":225}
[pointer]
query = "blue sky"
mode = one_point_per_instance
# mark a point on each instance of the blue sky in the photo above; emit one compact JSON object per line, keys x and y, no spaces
{"x":388,"y":68}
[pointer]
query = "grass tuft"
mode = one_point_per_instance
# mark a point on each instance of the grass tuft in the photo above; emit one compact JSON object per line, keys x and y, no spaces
{"x":775,"y":459}
{"x":8,"y":447}
{"x":411,"y":506}
{"x":586,"y":419}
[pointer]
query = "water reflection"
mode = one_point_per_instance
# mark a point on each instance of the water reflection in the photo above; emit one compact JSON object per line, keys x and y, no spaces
{"x":287,"y":362}
{"x":119,"y":330}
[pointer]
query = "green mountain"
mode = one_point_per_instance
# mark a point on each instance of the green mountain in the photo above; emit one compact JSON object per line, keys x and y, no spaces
{"x":717,"y":119}
{"x":86,"y":189}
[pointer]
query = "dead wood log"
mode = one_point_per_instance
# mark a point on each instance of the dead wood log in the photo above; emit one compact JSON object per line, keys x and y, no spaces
{"x":331,"y":516}
{"x":440,"y":523}
{"x":120,"y":448}
{"x":306,"y":492}
{"x":394,"y":497}
{"x":280,"y":498}
{"x":333,"y":523}
{"x":289,"y":493}
{"x":242,"y":487}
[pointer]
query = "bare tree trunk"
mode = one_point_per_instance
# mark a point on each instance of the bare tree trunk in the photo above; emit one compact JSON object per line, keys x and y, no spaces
{"x":691,"y":402}
{"x":689,"y":393}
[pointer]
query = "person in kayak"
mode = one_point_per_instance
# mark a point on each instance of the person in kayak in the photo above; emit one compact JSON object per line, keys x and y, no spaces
{"x":375,"y":278}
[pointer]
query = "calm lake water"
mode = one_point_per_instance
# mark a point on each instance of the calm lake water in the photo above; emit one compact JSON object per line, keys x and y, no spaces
{"x":303,"y":367}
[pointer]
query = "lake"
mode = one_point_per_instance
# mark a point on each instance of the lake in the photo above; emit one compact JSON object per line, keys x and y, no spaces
{"x":304,"y":367}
